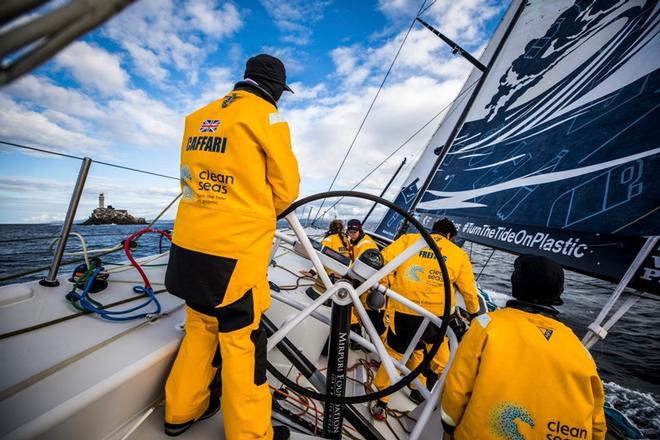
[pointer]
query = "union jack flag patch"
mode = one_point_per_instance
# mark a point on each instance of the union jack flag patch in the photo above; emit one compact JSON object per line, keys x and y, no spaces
{"x":209,"y":126}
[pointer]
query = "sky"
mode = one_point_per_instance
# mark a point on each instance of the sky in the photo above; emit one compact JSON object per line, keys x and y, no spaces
{"x":120,"y":94}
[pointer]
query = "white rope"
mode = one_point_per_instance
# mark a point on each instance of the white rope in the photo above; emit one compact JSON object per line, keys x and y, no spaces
{"x":82,"y":242}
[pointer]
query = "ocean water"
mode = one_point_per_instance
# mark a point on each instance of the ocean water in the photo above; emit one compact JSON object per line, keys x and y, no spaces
{"x":628,"y":359}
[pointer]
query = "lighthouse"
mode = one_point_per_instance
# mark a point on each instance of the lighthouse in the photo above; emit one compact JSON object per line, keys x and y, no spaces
{"x":101,"y":201}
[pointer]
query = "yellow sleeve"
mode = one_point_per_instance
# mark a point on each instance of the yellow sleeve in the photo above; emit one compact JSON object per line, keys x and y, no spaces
{"x":390,"y":252}
{"x":463,"y":373}
{"x":281,"y":165}
{"x":468,"y":286}
{"x":395,"y":248}
{"x":599,"y":426}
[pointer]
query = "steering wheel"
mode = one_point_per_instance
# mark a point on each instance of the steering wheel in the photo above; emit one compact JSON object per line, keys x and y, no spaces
{"x":338,"y":290}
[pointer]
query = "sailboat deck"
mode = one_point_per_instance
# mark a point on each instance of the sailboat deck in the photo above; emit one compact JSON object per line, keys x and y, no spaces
{"x":85,"y":377}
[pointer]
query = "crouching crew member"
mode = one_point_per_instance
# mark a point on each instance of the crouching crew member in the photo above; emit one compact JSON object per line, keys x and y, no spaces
{"x":520,"y":373}
{"x":419,"y":279}
{"x":237,"y":172}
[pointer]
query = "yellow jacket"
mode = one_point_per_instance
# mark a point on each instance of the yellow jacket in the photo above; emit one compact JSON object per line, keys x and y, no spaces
{"x":522,"y":375}
{"x":337,"y":242}
{"x":237,"y":173}
{"x":362,"y":245}
{"x":420,"y":280}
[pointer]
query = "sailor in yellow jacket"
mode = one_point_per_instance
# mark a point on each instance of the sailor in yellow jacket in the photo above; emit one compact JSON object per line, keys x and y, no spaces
{"x":336,"y":240}
{"x":237,"y":173}
{"x":519,"y":373}
{"x":420,"y":280}
{"x":359,"y":240}
{"x":359,"y":243}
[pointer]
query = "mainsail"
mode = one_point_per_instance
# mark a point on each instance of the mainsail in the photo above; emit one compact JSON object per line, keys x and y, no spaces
{"x":560,"y":151}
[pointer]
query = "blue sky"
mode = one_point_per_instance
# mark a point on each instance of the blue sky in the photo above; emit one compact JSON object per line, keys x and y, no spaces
{"x":121,"y":93}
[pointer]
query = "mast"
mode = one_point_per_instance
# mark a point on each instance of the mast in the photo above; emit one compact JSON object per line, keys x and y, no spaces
{"x":452,"y":136}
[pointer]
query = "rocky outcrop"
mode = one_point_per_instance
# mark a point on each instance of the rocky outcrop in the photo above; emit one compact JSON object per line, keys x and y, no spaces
{"x":110,"y":215}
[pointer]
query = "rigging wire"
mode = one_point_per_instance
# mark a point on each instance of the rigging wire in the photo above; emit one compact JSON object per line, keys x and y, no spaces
{"x":70,"y":156}
{"x":467,"y":89}
{"x":370,"y":107}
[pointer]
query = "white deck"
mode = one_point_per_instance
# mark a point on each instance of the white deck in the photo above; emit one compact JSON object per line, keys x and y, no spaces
{"x":89,"y":378}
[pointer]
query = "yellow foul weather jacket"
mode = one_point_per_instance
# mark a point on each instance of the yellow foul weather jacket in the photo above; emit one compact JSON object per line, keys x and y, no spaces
{"x":237,"y":173}
{"x":420,"y":280}
{"x":337,"y":243}
{"x":522,"y":375}
{"x":362,"y":245}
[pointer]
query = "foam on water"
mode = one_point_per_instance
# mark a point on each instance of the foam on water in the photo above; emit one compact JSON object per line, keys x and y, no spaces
{"x":641,"y":408}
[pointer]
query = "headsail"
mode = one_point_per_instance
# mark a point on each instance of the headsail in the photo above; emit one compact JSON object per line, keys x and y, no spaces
{"x":560,"y":151}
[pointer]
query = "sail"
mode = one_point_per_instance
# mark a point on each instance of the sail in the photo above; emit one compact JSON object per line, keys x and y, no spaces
{"x":559,"y":154}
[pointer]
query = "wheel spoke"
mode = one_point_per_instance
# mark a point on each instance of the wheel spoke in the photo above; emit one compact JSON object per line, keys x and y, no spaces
{"x":397,"y":371}
{"x":292,"y":218}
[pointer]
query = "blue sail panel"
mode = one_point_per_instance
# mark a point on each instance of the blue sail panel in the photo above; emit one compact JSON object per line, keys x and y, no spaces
{"x":564,"y":138}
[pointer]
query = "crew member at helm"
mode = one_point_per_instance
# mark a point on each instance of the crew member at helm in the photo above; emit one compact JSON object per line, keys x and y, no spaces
{"x":237,"y":173}
{"x":336,"y":240}
{"x":522,"y":370}
{"x":420,"y":280}
{"x":359,"y":243}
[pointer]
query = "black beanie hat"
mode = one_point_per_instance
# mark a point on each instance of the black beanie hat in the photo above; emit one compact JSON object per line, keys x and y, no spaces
{"x":267,"y":68}
{"x":538,"y":280}
{"x":444,"y":226}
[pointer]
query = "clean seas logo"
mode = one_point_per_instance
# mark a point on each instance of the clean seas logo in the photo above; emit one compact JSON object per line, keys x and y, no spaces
{"x":186,"y":179}
{"x":502,"y":420}
{"x":413,"y":271}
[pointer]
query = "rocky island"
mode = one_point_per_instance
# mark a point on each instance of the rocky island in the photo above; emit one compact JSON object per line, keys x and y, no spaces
{"x":110,"y":215}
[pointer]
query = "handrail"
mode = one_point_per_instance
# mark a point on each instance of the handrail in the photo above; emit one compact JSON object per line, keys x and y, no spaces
{"x":51,"y":279}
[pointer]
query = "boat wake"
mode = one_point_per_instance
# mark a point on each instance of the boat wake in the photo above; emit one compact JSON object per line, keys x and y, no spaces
{"x":641,"y":408}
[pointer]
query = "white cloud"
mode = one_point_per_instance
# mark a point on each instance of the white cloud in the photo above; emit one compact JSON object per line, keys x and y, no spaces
{"x":19,"y":184}
{"x":461,"y":20}
{"x":94,"y":67}
{"x":323,"y":130}
{"x":138,"y":119}
{"x":16,"y":117}
{"x":346,"y":65}
{"x":220,"y":22}
{"x":146,"y":62}
{"x":44,"y":93}
{"x":295,"y":18}
{"x":173,"y":35}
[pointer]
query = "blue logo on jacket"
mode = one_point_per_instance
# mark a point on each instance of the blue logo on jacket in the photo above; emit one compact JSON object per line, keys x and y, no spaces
{"x":502,"y":420}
